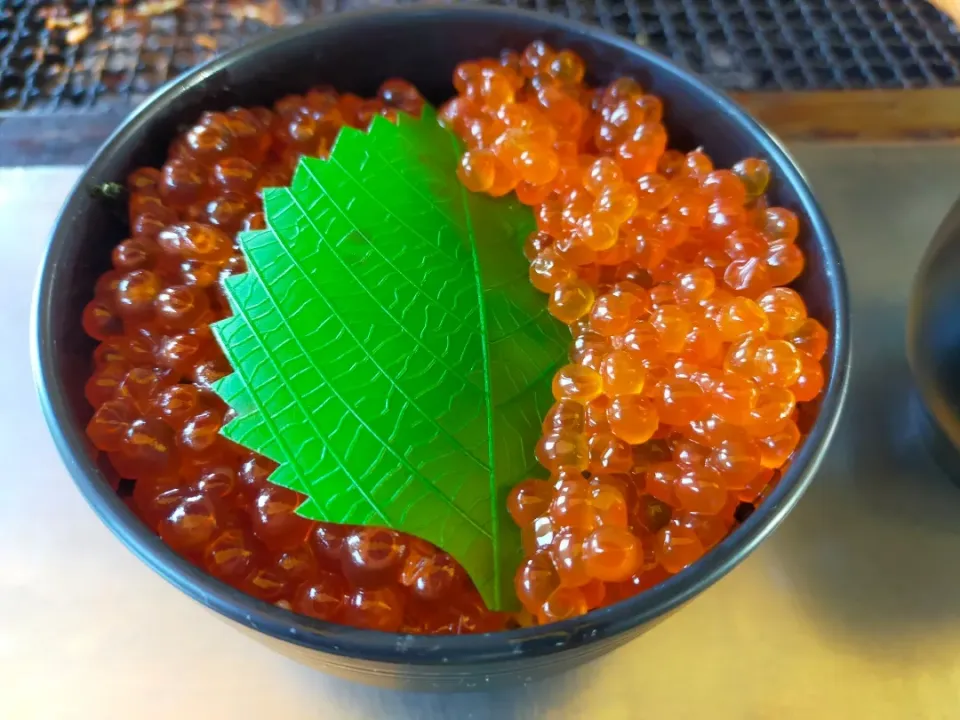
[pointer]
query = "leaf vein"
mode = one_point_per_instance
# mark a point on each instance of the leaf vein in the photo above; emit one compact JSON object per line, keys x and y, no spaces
{"x":488,"y":395}
{"x":403,"y":328}
{"x":353,"y":411}
{"x":463,"y":322}
{"x":364,"y":348}
{"x":278,"y":435}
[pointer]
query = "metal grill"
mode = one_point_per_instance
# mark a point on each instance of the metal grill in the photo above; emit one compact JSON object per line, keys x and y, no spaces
{"x":69,"y":55}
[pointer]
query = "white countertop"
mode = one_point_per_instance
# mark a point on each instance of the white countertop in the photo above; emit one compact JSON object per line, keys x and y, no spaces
{"x":851,"y":610}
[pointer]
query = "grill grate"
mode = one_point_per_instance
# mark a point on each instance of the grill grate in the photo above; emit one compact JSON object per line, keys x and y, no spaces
{"x":75,"y":55}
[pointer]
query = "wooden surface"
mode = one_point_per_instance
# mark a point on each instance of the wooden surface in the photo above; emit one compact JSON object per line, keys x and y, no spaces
{"x":860,"y":115}
{"x":949,"y":7}
{"x":852,"y":115}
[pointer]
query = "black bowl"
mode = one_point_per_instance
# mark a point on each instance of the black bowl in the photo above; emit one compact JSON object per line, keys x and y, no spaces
{"x":933,"y":344}
{"x":356,"y":52}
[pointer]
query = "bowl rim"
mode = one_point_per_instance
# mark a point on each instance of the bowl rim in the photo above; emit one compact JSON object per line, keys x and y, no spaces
{"x":448,"y":651}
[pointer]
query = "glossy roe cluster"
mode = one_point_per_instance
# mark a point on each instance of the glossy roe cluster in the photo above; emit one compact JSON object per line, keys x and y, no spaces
{"x":688,"y":356}
{"x":157,"y":422}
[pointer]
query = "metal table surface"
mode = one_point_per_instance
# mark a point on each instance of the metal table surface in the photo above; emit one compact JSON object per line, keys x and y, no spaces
{"x":850,"y":610}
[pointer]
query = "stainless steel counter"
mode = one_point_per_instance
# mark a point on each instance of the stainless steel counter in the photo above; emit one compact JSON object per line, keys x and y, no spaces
{"x":850,"y":610}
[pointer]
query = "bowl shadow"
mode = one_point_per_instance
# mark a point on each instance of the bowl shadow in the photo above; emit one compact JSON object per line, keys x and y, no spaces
{"x":550,"y":697}
{"x":872,"y":545}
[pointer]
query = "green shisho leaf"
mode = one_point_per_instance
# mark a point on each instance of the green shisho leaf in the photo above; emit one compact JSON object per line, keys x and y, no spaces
{"x":389,"y":351}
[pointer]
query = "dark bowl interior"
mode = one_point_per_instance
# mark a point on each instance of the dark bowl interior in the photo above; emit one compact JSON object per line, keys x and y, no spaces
{"x":356,"y":53}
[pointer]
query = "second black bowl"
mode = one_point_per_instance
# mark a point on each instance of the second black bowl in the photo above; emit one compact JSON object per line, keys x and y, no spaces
{"x":356,"y":53}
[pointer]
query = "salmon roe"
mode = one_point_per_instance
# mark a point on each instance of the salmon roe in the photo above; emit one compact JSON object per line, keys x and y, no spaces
{"x":158,"y":423}
{"x":687,"y":360}
{"x":689,"y":355}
